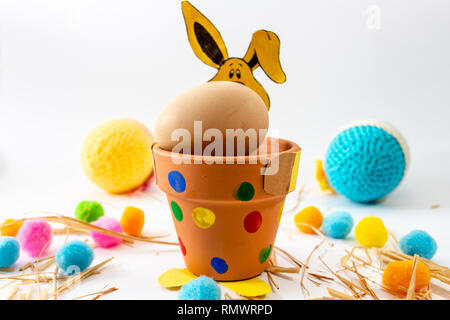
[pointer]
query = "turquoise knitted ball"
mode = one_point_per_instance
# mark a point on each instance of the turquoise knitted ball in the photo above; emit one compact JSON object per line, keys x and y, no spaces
{"x":366,"y":161}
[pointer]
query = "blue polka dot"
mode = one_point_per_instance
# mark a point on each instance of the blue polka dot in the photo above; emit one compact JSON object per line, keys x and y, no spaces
{"x":219,"y":265}
{"x":177,"y":181}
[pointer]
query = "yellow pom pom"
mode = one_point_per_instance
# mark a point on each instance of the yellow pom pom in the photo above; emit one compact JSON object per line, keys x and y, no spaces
{"x":132,"y":221}
{"x":11,"y":231}
{"x":371,"y":232}
{"x":117,"y":156}
{"x":308,"y":216}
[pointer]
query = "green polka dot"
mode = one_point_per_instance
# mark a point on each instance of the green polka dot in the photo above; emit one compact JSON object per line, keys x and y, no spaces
{"x":176,"y":210}
{"x":265,"y":253}
{"x":245,"y":191}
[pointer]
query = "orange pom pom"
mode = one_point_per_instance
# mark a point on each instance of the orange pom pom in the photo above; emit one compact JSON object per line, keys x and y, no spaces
{"x":11,"y":231}
{"x":132,"y":221}
{"x":311,"y":216}
{"x":397,"y":275}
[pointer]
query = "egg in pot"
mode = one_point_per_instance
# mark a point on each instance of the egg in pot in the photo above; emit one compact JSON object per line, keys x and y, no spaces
{"x":214,"y":118}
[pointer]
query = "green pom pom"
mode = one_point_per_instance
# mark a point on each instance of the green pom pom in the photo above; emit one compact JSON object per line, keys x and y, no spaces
{"x":88,"y":211}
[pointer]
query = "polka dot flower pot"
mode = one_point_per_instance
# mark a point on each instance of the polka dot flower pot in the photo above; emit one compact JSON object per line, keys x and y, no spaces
{"x":226,"y":215}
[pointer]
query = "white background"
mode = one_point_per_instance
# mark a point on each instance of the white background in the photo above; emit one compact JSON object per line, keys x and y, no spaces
{"x":66,"y":66}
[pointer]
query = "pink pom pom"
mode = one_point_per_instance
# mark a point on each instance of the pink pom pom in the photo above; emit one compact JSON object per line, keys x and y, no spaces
{"x":103,"y":240}
{"x":35,"y":237}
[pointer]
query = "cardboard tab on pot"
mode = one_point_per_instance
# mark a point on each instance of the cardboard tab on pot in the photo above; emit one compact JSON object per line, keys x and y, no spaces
{"x":284,"y":179}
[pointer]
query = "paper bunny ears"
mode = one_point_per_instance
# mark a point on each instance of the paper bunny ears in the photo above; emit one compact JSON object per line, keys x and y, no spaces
{"x":209,"y":47}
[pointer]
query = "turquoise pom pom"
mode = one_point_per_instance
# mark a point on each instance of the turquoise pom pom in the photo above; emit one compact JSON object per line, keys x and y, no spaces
{"x":74,"y":257}
{"x":337,"y":224}
{"x":365,"y":162}
{"x":202,"y":288}
{"x":418,"y":242}
{"x":9,"y":251}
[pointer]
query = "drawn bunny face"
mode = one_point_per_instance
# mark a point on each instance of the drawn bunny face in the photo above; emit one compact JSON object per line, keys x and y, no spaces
{"x":234,"y":69}
{"x":209,"y":47}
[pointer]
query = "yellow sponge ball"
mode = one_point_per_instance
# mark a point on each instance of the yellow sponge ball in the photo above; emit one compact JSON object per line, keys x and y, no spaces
{"x":371,"y":232}
{"x":117,"y":155}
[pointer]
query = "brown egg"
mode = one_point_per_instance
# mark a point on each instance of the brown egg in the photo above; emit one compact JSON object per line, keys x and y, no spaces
{"x":215,"y":118}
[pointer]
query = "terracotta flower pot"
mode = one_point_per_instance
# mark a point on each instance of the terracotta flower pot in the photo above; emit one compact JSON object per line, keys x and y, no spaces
{"x":226,"y":215}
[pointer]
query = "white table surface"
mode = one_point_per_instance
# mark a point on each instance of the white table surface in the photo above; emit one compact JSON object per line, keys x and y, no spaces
{"x":66,"y":66}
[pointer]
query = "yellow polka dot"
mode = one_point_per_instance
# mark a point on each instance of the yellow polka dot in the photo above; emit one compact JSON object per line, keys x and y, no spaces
{"x":280,"y":212}
{"x":203,"y":218}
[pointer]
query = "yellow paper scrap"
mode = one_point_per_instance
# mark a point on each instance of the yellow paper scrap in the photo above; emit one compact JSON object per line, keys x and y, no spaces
{"x":175,"y":278}
{"x":248,"y":288}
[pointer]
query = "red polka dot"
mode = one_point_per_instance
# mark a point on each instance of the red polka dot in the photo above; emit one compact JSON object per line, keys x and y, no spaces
{"x":183,"y":248}
{"x":253,"y":221}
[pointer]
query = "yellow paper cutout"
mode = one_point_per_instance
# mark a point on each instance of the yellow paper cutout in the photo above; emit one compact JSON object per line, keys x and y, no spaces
{"x":175,"y":278}
{"x":204,"y":38}
{"x":249,"y":288}
{"x":266,"y":46}
{"x":294,"y":174}
{"x":209,"y":47}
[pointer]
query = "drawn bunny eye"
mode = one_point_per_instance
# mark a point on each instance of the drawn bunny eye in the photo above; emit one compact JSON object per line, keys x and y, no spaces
{"x":238,"y":73}
{"x":231,"y":73}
